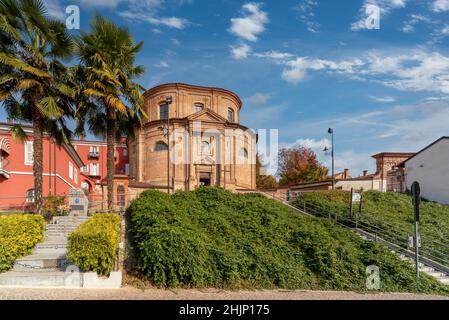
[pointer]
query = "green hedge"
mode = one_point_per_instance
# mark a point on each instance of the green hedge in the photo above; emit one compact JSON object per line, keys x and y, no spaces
{"x":93,"y":245}
{"x":213,"y":238}
{"x":19,"y":233}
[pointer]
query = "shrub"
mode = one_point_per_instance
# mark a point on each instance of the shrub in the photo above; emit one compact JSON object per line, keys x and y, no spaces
{"x":93,"y":245}
{"x":19,"y":233}
{"x":213,"y":238}
{"x":55,"y":206}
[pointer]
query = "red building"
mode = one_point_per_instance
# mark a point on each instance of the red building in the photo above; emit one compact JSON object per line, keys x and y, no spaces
{"x":81,"y":164}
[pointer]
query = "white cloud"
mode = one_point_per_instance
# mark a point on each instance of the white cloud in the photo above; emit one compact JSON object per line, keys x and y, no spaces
{"x":141,"y":10}
{"x":175,"y":41}
{"x":258,"y":99}
{"x":55,"y":10}
{"x":251,"y":24}
{"x":384,"y":99}
{"x":409,"y":25}
{"x":274,"y":54}
{"x":385,"y":6}
{"x":240,"y":52}
{"x":417,"y":70}
{"x":440,"y":5}
{"x":102,"y":3}
{"x":316,"y":146}
{"x":414,"y":70}
{"x":419,"y":123}
{"x":306,"y":10}
{"x":171,"y":22}
{"x":297,"y":68}
{"x":407,"y":125}
{"x":162,"y":64}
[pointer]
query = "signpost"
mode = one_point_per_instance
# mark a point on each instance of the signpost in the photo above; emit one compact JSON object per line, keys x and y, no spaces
{"x":356,"y":197}
{"x":416,"y":191}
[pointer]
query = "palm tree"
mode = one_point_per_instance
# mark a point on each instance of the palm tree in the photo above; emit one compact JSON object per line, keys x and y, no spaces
{"x":34,"y":82}
{"x":107,"y":94}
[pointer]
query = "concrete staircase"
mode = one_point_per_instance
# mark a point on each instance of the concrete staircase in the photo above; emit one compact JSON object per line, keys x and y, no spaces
{"x":47,"y":266}
{"x":440,"y":276}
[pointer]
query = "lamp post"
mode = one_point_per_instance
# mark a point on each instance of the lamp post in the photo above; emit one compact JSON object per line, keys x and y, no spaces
{"x":331,"y":132}
{"x":169,"y":101}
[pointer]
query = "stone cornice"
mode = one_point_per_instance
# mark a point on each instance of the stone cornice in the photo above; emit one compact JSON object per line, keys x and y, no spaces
{"x":185,"y":86}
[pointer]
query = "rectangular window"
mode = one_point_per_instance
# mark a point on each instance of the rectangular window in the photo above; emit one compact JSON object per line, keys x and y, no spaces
{"x":163,"y":111}
{"x":230,"y":115}
{"x":75,"y":175}
{"x":70,"y":170}
{"x":84,"y":169}
{"x":30,"y":196}
{"x":94,"y":169}
{"x":199,"y":107}
{"x":29,"y":153}
{"x":127,"y":169}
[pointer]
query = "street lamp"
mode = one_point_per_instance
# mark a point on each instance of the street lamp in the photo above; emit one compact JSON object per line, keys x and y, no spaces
{"x":168,"y":101}
{"x":331,"y":132}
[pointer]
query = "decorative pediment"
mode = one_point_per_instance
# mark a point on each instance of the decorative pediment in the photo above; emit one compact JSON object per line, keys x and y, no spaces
{"x":207,"y":115}
{"x":208,"y":160}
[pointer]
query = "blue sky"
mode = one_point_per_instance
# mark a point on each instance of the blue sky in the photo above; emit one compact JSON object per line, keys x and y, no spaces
{"x":303,"y":66}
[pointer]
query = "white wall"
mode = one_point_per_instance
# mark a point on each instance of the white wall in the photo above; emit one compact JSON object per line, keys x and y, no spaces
{"x":358,"y":184}
{"x":431,"y":169}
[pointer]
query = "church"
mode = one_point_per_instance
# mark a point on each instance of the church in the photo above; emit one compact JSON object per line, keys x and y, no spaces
{"x":191,"y":137}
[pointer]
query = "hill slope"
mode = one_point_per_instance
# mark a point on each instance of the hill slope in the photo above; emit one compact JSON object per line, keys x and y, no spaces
{"x":392,"y":212}
{"x":213,"y":238}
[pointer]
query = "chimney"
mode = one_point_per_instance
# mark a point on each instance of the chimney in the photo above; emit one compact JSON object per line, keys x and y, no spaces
{"x":82,"y":136}
{"x":346,"y":174}
{"x":365,"y":173}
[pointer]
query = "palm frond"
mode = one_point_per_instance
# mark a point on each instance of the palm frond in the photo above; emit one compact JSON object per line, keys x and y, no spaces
{"x":26,"y":84}
{"x":18,"y":134}
{"x":94,"y":92}
{"x":115,"y":103}
{"x":49,"y":108}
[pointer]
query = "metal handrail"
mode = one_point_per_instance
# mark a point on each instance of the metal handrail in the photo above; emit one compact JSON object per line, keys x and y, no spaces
{"x":394,"y":235}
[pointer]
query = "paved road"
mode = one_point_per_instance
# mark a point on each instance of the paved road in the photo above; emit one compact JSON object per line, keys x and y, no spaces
{"x":130,"y":293}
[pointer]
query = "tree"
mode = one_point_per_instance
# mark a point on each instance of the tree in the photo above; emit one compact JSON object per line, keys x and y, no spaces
{"x":108,"y":98}
{"x":263,"y":181}
{"x":34,"y":82}
{"x":300,"y":165}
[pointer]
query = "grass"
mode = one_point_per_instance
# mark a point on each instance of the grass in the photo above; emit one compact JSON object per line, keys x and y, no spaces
{"x":392,"y":211}
{"x":213,"y":238}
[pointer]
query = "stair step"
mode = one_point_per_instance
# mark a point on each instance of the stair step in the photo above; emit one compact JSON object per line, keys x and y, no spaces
{"x":43,"y":260}
{"x":51,"y":245}
{"x":436,"y":274}
{"x":56,"y":238}
{"x":59,"y":227}
{"x":426,"y":269}
{"x":49,"y":279}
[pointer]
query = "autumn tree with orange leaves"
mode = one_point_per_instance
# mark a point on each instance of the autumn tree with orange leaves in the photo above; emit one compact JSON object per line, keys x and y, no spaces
{"x":300,"y":165}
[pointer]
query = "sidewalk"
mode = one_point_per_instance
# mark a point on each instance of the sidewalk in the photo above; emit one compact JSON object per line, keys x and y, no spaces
{"x":130,"y":293}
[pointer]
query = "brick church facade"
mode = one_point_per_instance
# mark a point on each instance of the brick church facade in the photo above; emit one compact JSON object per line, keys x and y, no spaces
{"x":208,"y":145}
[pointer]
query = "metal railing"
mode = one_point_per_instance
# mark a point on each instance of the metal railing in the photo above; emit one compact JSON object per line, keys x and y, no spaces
{"x":432,"y":251}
